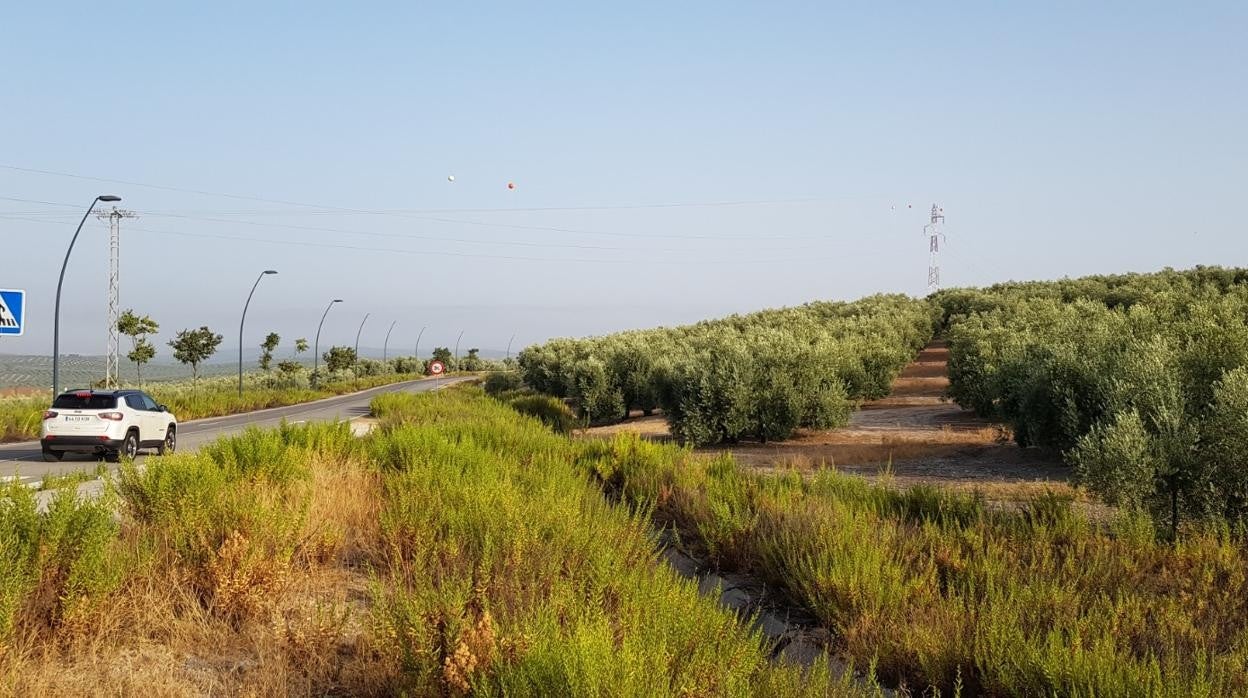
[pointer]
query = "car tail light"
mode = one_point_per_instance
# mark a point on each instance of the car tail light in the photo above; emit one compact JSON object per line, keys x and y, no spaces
{"x":111,"y":416}
{"x":49,"y":414}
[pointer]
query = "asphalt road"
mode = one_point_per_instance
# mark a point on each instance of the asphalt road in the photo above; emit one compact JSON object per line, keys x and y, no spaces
{"x":24,"y":460}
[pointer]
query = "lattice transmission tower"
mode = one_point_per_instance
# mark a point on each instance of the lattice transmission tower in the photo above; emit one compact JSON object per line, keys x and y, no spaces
{"x":112,"y":359}
{"x":935,"y":233}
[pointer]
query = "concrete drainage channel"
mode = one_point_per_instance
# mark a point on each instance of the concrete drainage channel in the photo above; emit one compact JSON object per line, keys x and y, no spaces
{"x":794,"y":635}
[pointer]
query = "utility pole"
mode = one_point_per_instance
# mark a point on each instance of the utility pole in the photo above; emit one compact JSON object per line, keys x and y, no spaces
{"x":112,"y":360}
{"x":933,"y":230}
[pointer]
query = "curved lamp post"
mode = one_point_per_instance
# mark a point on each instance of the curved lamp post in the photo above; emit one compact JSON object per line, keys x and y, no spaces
{"x":240,"y":327}
{"x":422,"y":334}
{"x":513,"y":338}
{"x":56,"y":320}
{"x":461,"y":336}
{"x":316,"y":347}
{"x":357,"y":337}
{"x":386,"y":346}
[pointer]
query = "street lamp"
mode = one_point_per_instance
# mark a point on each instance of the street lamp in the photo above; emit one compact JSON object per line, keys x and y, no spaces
{"x":513,"y":338}
{"x":357,"y":339}
{"x":461,"y":336}
{"x":422,"y":334}
{"x":240,"y":327}
{"x":385,"y":346}
{"x":316,"y":347}
{"x":56,"y":321}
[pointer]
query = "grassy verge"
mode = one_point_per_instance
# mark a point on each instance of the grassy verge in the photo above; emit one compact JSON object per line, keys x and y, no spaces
{"x":940,"y":591}
{"x":213,"y":397}
{"x":458,"y":550}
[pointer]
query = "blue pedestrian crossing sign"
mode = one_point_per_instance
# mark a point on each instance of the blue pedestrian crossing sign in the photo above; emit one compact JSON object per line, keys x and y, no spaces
{"x":12,"y":312}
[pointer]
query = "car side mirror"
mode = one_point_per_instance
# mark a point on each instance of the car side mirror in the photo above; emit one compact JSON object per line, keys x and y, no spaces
{"x":162,"y":408}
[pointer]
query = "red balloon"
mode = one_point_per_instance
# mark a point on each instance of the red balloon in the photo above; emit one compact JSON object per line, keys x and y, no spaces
{"x":511,"y":185}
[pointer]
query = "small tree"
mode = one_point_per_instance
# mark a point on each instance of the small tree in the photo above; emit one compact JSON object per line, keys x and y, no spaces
{"x":194,"y":347}
{"x":472,"y":362}
{"x":339,"y":358}
{"x":137,"y":328}
{"x":443,"y":354}
{"x":290,"y":368}
{"x":266,"y":350}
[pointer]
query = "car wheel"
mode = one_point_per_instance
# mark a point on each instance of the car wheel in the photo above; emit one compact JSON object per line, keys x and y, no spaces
{"x":130,"y":446}
{"x":52,"y":456}
{"x":170,"y":444}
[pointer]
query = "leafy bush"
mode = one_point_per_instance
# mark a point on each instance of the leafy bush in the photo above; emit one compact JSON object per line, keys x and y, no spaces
{"x":551,"y":411}
{"x":371,"y":367}
{"x":339,"y":359}
{"x":501,"y":381}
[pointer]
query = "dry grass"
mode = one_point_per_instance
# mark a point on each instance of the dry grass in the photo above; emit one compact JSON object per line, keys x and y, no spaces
{"x":302,"y":631}
{"x":457,"y":550}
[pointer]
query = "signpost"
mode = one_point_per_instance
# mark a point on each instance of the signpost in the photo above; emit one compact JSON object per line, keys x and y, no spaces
{"x":12,"y":312}
{"x":436,"y":369}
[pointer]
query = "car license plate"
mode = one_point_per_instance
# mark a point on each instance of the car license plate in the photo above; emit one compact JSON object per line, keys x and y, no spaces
{"x":77,"y":418}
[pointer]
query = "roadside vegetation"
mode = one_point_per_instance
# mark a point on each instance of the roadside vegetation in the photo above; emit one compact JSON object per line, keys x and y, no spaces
{"x":757,"y":376}
{"x":20,"y":417}
{"x":938,"y":590}
{"x":459,"y":549}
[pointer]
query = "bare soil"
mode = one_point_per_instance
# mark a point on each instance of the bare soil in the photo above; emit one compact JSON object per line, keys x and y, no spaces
{"x":915,"y":435}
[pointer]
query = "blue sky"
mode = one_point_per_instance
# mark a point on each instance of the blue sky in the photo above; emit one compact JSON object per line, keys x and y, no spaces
{"x":790,"y":138}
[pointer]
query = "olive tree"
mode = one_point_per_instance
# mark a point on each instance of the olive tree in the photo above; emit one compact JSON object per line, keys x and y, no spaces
{"x":194,"y":347}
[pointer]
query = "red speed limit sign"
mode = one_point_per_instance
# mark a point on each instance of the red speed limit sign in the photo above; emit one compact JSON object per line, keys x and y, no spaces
{"x":436,"y":368}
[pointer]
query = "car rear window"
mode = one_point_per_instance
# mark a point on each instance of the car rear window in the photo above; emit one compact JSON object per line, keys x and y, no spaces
{"x":72,"y":401}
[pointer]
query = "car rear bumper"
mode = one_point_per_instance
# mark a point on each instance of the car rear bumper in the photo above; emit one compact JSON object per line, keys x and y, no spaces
{"x":85,"y":444}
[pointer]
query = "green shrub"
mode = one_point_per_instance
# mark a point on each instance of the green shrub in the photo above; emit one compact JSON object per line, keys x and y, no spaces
{"x":551,"y":411}
{"x":56,"y":566}
{"x":502,"y":381}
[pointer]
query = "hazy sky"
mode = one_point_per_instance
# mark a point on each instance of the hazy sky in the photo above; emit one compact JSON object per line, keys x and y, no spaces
{"x":672,"y":161}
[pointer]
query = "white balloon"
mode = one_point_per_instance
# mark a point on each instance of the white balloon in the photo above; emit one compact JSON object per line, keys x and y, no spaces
{"x":450,"y":178}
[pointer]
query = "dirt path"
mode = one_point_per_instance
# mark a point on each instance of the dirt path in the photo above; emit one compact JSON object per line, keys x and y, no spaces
{"x":920,"y":436}
{"x":915,"y":434}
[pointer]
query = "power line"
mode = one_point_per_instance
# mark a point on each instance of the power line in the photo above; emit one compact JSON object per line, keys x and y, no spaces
{"x":328,"y":208}
{"x":442,"y":238}
{"x":443,"y":253}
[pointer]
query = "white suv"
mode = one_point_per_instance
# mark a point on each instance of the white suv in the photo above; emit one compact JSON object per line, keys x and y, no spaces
{"x":111,"y":423}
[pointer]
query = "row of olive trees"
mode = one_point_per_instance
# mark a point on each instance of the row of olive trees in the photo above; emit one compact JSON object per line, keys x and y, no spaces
{"x":1140,"y":381}
{"x":757,"y":376}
